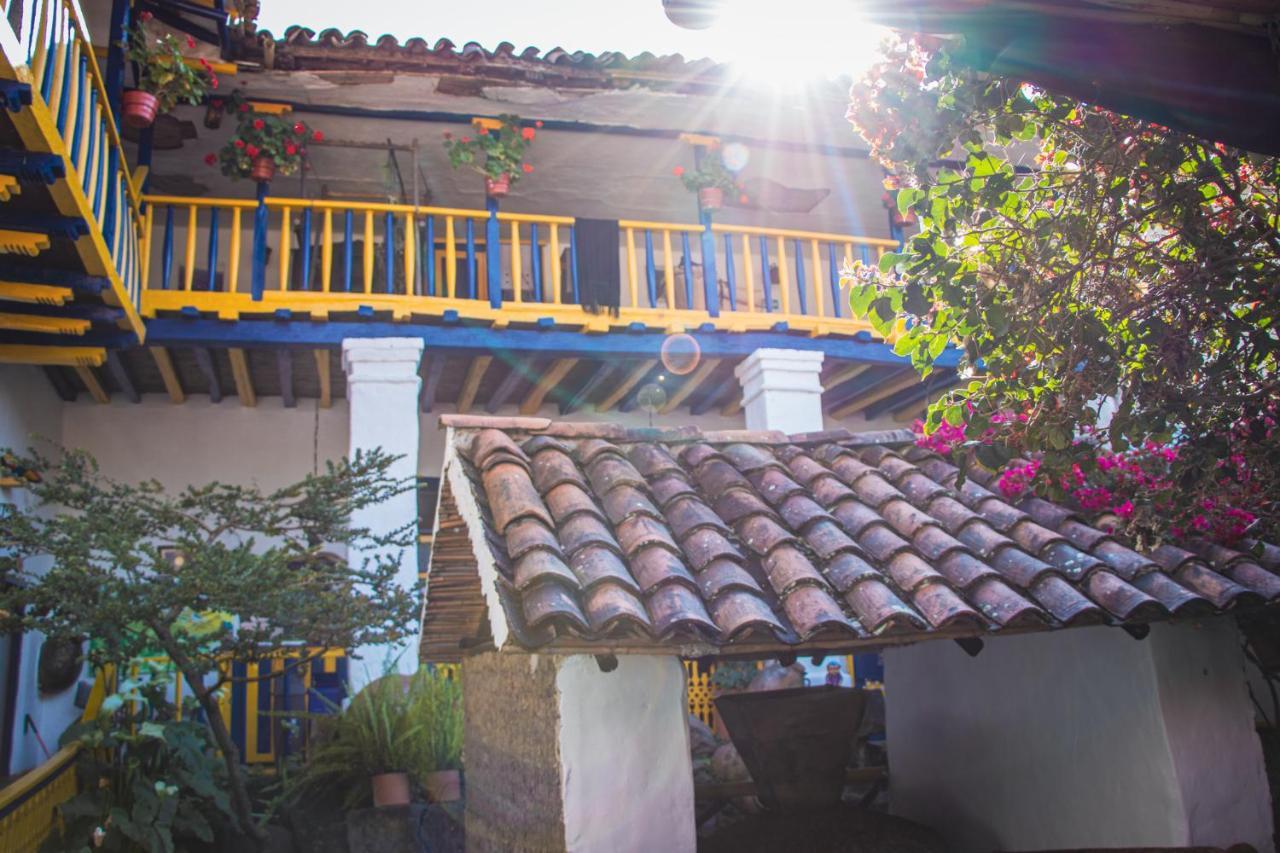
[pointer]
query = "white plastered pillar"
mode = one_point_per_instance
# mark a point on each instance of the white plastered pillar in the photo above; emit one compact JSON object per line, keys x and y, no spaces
{"x":382,"y":400}
{"x":782,"y":390}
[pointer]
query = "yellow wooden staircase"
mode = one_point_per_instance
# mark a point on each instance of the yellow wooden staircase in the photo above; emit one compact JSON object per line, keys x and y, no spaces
{"x":70,"y":223}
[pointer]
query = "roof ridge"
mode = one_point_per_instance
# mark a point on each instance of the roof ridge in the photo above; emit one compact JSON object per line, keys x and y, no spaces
{"x":682,"y":434}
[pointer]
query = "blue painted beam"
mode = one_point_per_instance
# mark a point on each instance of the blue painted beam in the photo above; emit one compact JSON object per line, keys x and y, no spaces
{"x":284,"y":369}
{"x":109,"y":339}
{"x":93,"y":312}
{"x":204,"y":360}
{"x":31,"y":167}
{"x":66,"y":227}
{"x":431,"y":382}
{"x":866,"y":384}
{"x":115,"y":365}
{"x":550,"y":342}
{"x":19,"y":272}
{"x":510,"y":382}
{"x":583,"y":395}
{"x":14,"y":95}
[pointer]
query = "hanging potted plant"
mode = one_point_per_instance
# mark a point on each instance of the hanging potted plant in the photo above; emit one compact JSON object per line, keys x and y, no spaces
{"x":710,"y":180}
{"x":496,"y":153}
{"x":264,"y":146}
{"x":164,"y":76}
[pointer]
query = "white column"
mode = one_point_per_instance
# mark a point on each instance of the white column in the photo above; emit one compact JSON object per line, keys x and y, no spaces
{"x":781,"y":390}
{"x":382,"y":400}
{"x":624,"y":739}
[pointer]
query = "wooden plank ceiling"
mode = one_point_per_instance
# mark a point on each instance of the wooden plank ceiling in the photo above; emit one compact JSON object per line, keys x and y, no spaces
{"x":482,"y":382}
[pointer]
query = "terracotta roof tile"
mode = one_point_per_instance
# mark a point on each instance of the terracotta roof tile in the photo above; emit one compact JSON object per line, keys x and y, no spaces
{"x":613,"y":535}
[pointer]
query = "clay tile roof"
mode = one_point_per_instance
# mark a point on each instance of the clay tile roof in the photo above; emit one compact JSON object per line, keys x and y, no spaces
{"x":592,"y":537}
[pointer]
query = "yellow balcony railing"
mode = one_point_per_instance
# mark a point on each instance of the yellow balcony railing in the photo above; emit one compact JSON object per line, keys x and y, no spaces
{"x":28,"y":806}
{"x":238,"y":257}
{"x":44,"y":45}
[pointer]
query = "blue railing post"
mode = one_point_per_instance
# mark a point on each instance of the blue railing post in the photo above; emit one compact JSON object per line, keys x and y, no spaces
{"x":473,"y":285}
{"x":306,"y":249}
{"x":650,"y":270}
{"x":766,"y":275}
{"x":166,"y":251}
{"x":573,"y":263}
{"x":213,"y":249}
{"x":535,"y":262}
{"x":686,"y":263}
{"x":493,"y":253}
{"x":347,"y":250}
{"x":801,"y":284}
{"x":117,"y":34}
{"x":427,"y":259}
{"x":710,"y":284}
{"x":731,"y":272}
{"x":389,"y":249}
{"x":260,"y":245}
{"x":835,"y":277}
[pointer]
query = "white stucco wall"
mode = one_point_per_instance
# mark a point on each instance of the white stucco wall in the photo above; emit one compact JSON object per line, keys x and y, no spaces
{"x":29,"y":412}
{"x":1078,"y":738}
{"x":625,"y":771}
{"x":1210,"y":723}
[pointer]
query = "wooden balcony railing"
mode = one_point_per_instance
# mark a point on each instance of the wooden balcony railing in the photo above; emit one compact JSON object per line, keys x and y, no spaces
{"x":45,"y":44}
{"x":28,"y":805}
{"x":239,"y":257}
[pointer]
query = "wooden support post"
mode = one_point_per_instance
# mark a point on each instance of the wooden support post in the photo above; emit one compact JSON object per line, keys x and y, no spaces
{"x":240,"y":371}
{"x":583,"y":395}
{"x":167,"y":374}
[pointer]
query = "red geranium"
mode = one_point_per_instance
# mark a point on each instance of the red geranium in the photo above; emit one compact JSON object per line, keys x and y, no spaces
{"x":290,"y":149}
{"x":239,"y":143}
{"x":299,"y":128}
{"x":527,"y":134}
{"x":258,"y":124}
{"x":210,"y":158}
{"x":251,"y":150}
{"x":191,"y":43}
{"x":244,"y":108}
{"x":678,"y":171}
{"x":318,"y":136}
{"x":526,"y":168}
{"x":538,"y":123}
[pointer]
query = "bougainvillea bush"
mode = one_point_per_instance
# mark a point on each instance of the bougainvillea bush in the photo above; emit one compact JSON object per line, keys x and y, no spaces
{"x":1112,"y":282}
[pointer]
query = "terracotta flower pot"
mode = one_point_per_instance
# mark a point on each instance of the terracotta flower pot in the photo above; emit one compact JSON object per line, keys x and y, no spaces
{"x":264,"y":169}
{"x":497,"y":187}
{"x":443,"y":786}
{"x":711,"y":198}
{"x":390,"y":789}
{"x":138,"y":108}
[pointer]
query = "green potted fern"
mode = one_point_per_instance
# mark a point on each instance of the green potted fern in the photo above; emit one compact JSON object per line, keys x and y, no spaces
{"x":395,"y":733}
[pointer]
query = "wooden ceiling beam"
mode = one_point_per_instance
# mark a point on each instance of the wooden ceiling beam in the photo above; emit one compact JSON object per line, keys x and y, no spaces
{"x":639,"y":372}
{"x":90,"y":380}
{"x":244,"y":381}
{"x":892,"y":385}
{"x":323,"y":372}
{"x":284,"y":367}
{"x":475,"y":373}
{"x":558,"y":371}
{"x":167,"y":374}
{"x":204,"y":360}
{"x":115,"y":364}
{"x":431,"y":382}
{"x":690,"y":385}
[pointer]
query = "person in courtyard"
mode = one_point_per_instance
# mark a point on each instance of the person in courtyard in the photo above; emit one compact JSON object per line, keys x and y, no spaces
{"x":835,"y":676}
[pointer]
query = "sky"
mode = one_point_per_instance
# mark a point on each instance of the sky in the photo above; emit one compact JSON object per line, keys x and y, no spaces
{"x":814,"y":38}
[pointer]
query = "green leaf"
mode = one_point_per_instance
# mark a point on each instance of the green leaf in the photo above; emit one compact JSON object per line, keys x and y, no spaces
{"x":889,"y":260}
{"x":907,"y":197}
{"x":954,"y":414}
{"x":860,"y":296}
{"x":152,"y":729}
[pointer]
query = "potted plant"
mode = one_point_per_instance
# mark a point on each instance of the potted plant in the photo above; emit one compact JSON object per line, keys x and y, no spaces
{"x":710,"y":180}
{"x":263,"y":146}
{"x":438,"y":699}
{"x":496,"y":153}
{"x":397,"y":731}
{"x":164,"y":76}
